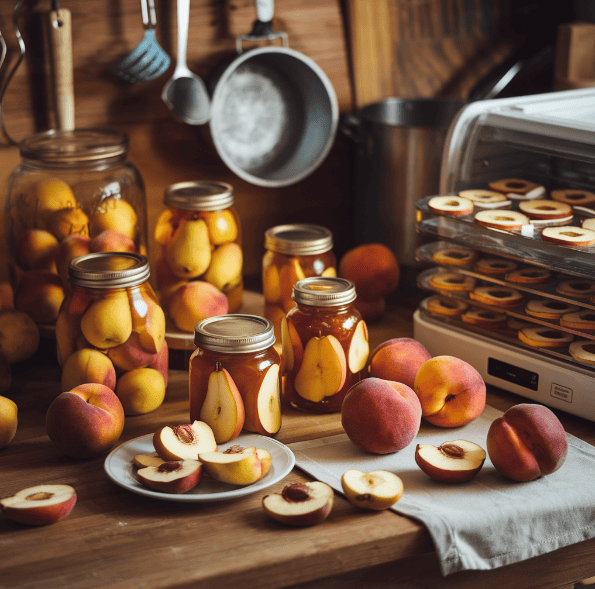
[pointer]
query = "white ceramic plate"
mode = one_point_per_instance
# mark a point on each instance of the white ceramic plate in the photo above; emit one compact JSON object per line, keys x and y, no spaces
{"x":119,"y":466}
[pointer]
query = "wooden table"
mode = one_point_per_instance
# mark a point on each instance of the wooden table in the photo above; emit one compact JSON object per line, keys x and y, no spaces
{"x":114,"y":538}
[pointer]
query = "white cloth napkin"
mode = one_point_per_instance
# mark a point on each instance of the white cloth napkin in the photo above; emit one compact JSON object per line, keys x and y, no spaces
{"x":484,"y":523}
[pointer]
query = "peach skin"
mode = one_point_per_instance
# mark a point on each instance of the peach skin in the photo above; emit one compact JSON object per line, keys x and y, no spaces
{"x":527,"y":442}
{"x":451,"y":392}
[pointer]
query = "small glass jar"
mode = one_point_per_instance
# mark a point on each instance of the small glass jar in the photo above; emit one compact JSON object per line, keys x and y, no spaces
{"x":293,"y":252}
{"x":325,"y":343}
{"x":200,"y":237}
{"x":111,"y":330}
{"x":69,"y":189}
{"x":242,"y":345}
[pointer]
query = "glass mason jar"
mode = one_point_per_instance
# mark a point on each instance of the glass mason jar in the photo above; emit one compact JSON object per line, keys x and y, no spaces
{"x":74,"y":192}
{"x":238,"y":349}
{"x":111,"y":330}
{"x":200,"y":237}
{"x":325,"y":344}
{"x":293,"y":252}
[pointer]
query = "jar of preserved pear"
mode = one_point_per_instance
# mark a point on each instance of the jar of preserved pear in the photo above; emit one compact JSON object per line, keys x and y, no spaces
{"x":235,"y":356}
{"x":111,"y":330}
{"x":74,"y":192}
{"x":325,"y":344}
{"x":293,"y":252}
{"x":199,"y":233}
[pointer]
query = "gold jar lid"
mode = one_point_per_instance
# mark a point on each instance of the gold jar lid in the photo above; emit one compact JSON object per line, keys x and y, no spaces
{"x":234,"y":334}
{"x":108,"y":270}
{"x":298,"y":240}
{"x":199,"y":196}
{"x":74,"y":148}
{"x":320,"y":291}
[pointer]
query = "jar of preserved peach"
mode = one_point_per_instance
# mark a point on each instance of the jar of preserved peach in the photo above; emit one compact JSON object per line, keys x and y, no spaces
{"x":325,"y":344}
{"x":234,"y":376}
{"x":111,"y":330}
{"x":293,"y":252}
{"x":200,"y":237}
{"x":74,"y":192}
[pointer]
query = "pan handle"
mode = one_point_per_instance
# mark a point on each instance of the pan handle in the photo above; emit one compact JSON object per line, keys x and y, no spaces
{"x":262,"y":29}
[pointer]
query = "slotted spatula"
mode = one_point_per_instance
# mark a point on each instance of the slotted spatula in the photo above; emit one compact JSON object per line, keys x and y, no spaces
{"x":148,"y":60}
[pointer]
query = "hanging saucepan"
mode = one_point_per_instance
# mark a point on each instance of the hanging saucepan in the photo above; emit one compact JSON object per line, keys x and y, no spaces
{"x":274,"y":112}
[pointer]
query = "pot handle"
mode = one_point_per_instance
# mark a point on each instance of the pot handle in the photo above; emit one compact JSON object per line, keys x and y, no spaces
{"x":351,"y":126}
{"x":262,"y":29}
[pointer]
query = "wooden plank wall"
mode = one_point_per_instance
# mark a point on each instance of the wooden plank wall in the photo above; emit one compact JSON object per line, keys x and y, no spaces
{"x":434,"y":47}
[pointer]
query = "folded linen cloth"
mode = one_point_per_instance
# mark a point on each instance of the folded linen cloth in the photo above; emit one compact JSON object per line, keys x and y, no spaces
{"x":486,"y":522}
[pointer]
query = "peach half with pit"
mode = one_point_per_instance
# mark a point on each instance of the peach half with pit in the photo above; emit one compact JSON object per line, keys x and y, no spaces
{"x":375,"y":490}
{"x":451,"y":462}
{"x":452,"y":393}
{"x":380,"y":416}
{"x":300,"y":504}
{"x":185,"y":441}
{"x":236,"y":465}
{"x":86,"y":421}
{"x":39,"y":505}
{"x":323,"y":369}
{"x":171,"y":477}
{"x":527,"y":442}
{"x":398,"y":359}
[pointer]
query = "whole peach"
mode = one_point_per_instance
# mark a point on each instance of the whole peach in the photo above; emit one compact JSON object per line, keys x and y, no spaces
{"x":527,"y":442}
{"x":451,"y":392}
{"x":112,"y":240}
{"x":8,"y":421}
{"x":141,"y":390}
{"x":85,"y":366}
{"x":86,"y":421}
{"x":39,"y":294}
{"x":381,"y":416}
{"x":194,"y":302}
{"x":373,"y":268}
{"x":398,"y":359}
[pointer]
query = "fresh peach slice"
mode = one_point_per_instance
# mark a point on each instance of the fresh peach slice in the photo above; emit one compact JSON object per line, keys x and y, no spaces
{"x":451,"y":462}
{"x":293,"y":350}
{"x":265,"y":458}
{"x":323,"y":370}
{"x":237,"y":465}
{"x":172,"y":477}
{"x":359,"y":348}
{"x":376,"y":490}
{"x":223,"y":407}
{"x":185,"y":441}
{"x":39,"y":505}
{"x":144,"y":460}
{"x":300,"y":504}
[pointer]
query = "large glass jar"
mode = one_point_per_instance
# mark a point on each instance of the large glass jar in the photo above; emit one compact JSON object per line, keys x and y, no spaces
{"x":293,"y":252}
{"x":325,"y":344}
{"x":238,"y":351}
{"x":74,"y":192}
{"x":111,"y":330}
{"x":200,"y":237}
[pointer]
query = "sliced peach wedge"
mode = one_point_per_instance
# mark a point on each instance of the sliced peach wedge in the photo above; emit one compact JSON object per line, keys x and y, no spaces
{"x":323,"y":370}
{"x":359,"y":349}
{"x":177,"y":476}
{"x":184,"y":442}
{"x":236,"y":465}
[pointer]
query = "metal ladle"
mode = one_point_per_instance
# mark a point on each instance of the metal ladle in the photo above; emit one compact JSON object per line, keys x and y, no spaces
{"x":186,"y":94}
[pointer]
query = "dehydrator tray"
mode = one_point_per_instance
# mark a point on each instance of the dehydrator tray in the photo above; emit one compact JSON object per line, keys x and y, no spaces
{"x":502,"y":335}
{"x":524,"y":245}
{"x":517,"y":312}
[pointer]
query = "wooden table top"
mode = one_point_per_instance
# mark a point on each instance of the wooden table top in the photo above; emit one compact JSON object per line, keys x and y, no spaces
{"x":115,"y":538}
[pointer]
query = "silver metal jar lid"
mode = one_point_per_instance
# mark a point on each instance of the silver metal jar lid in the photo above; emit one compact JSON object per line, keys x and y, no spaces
{"x":108,"y":270}
{"x":298,"y":240}
{"x":199,"y":196}
{"x":234,"y":334}
{"x":71,"y":148}
{"x":320,"y":291}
